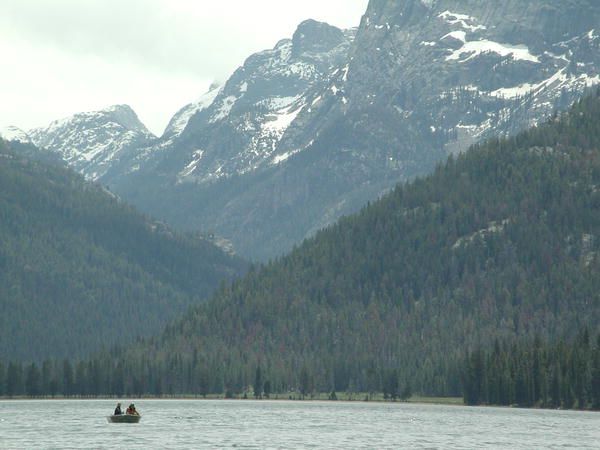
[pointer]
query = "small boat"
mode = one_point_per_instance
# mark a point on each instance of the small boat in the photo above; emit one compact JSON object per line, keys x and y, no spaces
{"x":124,"y":418}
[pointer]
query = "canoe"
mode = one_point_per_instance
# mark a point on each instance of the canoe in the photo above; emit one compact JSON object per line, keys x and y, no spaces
{"x":124,"y":418}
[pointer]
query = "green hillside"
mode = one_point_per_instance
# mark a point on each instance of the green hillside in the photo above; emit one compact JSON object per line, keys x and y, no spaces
{"x":499,"y":243}
{"x":81,"y":271}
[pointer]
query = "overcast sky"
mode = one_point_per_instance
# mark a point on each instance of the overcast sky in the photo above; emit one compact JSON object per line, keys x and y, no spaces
{"x":60,"y":57}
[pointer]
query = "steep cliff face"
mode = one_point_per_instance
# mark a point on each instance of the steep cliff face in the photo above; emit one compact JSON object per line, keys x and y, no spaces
{"x":455,"y":71}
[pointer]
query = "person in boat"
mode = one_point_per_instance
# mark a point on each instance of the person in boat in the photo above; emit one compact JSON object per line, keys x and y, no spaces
{"x":118,"y":411}
{"x":132,"y":411}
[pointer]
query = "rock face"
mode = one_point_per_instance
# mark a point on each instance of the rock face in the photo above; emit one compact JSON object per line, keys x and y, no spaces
{"x":320,"y":124}
{"x":94,"y":143}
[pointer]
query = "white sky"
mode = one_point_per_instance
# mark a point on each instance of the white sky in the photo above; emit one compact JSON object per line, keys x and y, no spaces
{"x":60,"y":57}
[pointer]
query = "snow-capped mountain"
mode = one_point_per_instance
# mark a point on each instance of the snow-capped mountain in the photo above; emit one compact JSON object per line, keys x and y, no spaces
{"x":323,"y":122}
{"x":94,"y":142}
{"x":236,"y":128}
{"x":12,"y":133}
{"x":421,"y":80}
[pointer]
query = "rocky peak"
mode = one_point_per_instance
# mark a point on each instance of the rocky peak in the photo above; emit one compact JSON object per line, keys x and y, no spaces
{"x":12,"y":133}
{"x":315,"y":37}
{"x":91,"y":142}
{"x":125,"y":116}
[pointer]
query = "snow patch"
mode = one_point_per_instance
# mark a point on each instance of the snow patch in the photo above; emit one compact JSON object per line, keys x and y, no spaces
{"x":191,"y":166}
{"x":458,"y":35}
{"x":463,"y":20}
{"x":181,"y":119}
{"x":560,"y":78}
{"x":345,"y":76}
{"x":12,"y":133}
{"x":284,"y":156}
{"x":282,"y":120}
{"x":476,"y":48}
{"x":224,"y":110}
{"x":513,"y":92}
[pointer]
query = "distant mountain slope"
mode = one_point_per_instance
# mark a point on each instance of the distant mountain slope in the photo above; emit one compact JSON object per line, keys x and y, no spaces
{"x":80,"y":270}
{"x":500,"y":242}
{"x":94,"y":142}
{"x":419,"y":81}
{"x":312,"y":129}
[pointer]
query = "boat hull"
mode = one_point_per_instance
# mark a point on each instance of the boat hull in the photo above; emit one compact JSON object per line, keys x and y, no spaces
{"x":124,"y":418}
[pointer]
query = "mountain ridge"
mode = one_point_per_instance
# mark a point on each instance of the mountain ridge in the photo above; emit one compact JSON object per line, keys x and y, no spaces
{"x":359,"y":112}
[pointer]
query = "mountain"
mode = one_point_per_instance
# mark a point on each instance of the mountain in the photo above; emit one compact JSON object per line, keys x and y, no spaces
{"x":80,"y":270}
{"x":95,"y":142}
{"x":499,"y":243}
{"x":15,"y":134}
{"x":235,"y":129}
{"x":322,"y":123}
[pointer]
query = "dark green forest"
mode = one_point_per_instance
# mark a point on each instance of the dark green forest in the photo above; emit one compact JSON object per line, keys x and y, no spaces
{"x":527,"y":374}
{"x":437,"y":288}
{"x":81,"y":271}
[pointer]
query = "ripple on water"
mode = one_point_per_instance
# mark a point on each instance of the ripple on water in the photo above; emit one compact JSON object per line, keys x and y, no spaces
{"x":178,"y":424}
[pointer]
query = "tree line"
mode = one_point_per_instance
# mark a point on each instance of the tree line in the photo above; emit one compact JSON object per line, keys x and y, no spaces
{"x":561,"y":375}
{"x":522,"y":373}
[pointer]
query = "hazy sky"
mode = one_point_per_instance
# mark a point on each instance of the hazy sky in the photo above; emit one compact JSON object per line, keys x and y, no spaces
{"x":60,"y":57}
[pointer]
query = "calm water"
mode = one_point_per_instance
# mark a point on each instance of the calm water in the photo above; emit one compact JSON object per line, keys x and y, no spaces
{"x":178,"y":424}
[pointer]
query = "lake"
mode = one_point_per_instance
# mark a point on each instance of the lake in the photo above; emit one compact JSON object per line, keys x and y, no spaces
{"x":184,"y":424}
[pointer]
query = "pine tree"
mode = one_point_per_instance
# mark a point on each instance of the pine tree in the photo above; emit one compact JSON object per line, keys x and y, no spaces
{"x":14,"y":379}
{"x":258,"y":383}
{"x":68,"y":387}
{"x":595,"y":376}
{"x":2,"y":380}
{"x":33,"y":381}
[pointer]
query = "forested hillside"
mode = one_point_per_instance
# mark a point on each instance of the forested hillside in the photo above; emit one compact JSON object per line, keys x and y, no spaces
{"x":499,"y":244}
{"x":81,"y":271}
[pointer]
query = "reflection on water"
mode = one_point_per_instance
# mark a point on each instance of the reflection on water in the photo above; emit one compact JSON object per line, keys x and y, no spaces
{"x":179,"y":424}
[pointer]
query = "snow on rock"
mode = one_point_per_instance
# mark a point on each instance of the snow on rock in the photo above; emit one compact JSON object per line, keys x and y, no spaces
{"x":91,"y":141}
{"x":559,"y":80}
{"x":183,"y":116}
{"x":224,"y":109}
{"x":463,"y":20}
{"x":458,"y":35}
{"x":282,"y":120}
{"x":286,"y":155}
{"x":475,"y":48}
{"x":12,"y":133}
{"x":191,"y":166}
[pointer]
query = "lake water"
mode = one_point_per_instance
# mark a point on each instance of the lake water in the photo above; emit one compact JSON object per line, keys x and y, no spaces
{"x":190,"y":424}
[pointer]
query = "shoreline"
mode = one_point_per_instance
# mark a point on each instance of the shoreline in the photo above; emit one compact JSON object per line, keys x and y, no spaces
{"x":415,"y":400}
{"x":456,"y":401}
